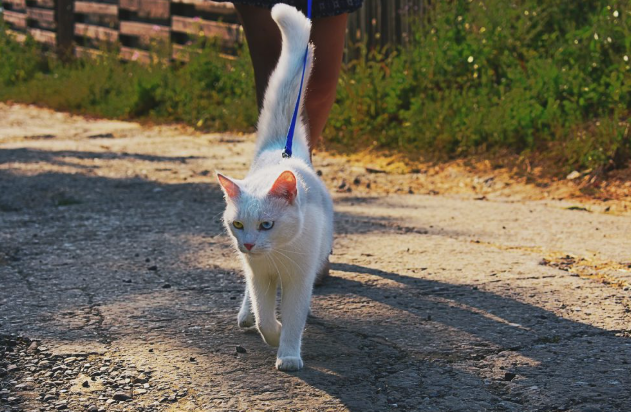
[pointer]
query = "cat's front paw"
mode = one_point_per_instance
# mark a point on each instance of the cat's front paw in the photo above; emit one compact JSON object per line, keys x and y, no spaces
{"x":245,"y":319}
{"x":289,"y":363}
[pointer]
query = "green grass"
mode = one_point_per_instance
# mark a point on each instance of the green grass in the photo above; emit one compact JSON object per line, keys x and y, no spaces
{"x":538,"y":78}
{"x":209,"y":92}
{"x":482,"y":76}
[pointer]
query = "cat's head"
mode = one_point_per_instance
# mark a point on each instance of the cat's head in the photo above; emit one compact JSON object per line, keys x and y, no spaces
{"x":261,"y":214}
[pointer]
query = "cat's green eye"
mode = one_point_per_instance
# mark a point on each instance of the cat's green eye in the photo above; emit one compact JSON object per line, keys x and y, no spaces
{"x":237,"y":224}
{"x":266,"y":225}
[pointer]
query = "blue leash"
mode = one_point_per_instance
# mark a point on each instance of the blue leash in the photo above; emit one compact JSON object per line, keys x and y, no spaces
{"x":292,"y":126}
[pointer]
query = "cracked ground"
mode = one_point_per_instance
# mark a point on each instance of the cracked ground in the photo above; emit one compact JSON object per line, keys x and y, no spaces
{"x":119,"y":289}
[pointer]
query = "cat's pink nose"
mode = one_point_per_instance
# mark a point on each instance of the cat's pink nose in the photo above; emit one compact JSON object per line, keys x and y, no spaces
{"x":248,"y":246}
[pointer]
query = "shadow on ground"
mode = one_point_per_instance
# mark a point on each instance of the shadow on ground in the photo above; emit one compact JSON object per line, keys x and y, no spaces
{"x":118,"y":261}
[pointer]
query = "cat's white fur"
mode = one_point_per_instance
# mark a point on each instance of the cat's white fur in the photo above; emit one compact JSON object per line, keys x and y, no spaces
{"x":287,"y":192}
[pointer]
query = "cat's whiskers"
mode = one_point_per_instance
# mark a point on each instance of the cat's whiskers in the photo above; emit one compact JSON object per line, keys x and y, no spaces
{"x":292,"y":251}
{"x":280,"y":278}
{"x":302,"y":271}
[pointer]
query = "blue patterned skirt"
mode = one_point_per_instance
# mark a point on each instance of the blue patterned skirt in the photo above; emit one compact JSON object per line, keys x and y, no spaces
{"x":321,"y":8}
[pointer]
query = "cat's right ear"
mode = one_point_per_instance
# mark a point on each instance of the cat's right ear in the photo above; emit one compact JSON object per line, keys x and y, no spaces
{"x":230,"y":188}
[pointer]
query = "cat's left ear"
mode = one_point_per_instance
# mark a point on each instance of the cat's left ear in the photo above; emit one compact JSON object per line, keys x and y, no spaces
{"x":230,"y":188}
{"x":285,"y":187}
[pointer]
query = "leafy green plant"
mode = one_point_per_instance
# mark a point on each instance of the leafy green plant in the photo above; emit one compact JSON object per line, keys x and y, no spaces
{"x":531,"y":75}
{"x":209,"y":92}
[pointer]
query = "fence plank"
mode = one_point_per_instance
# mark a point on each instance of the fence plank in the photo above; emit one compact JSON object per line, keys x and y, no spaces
{"x":129,"y":53}
{"x":17,"y":36}
{"x":44,"y":36}
{"x":44,"y":18}
{"x":16,"y":4}
{"x":95,"y":32}
{"x":80,"y":51}
{"x":16,"y":19}
{"x":85,"y":7}
{"x":148,"y":9}
{"x":227,"y":32}
{"x":209,"y":6}
{"x":144,"y":30}
{"x":47,"y":4}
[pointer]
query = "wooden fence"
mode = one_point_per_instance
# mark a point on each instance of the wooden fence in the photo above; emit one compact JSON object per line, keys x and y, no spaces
{"x":384,"y":22}
{"x":84,"y":27}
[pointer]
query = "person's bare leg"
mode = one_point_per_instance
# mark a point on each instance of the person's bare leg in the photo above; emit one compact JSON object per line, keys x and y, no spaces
{"x":327,"y":34}
{"x":264,"y":41}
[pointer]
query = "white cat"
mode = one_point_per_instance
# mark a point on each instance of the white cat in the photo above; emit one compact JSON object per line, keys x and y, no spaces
{"x":280,"y":216}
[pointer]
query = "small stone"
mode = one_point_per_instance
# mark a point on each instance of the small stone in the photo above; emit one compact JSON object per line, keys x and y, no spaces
{"x":166,"y":286}
{"x":142,"y":378}
{"x":152,"y":268}
{"x":357,"y":181}
{"x":121,"y":396}
{"x":192,"y":359}
{"x":126,"y":280}
{"x":49,"y":398}
{"x":573,"y":175}
{"x":93,"y":408}
{"x":85,"y":384}
{"x":509,"y":376}
{"x":3,"y":372}
{"x":241,"y":349}
{"x":11,"y":368}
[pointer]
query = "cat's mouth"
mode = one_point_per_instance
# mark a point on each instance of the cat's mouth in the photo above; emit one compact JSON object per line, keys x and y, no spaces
{"x":252,"y":252}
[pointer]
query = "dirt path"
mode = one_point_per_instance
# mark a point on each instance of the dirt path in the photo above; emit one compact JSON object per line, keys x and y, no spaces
{"x":119,"y":290}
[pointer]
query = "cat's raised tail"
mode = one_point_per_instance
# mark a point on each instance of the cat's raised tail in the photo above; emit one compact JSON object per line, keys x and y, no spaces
{"x":282,"y":89}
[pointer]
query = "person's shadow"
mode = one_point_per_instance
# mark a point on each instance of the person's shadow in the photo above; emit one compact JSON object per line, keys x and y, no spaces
{"x":438,"y":346}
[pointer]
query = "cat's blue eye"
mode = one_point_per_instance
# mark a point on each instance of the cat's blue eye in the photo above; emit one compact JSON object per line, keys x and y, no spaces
{"x":237,"y":224}
{"x":266,"y":225}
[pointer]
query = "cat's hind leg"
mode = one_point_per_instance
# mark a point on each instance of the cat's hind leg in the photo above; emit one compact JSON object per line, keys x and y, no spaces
{"x":323,"y":273}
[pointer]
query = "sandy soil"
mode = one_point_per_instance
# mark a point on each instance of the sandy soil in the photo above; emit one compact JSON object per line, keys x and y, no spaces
{"x":450,"y":290}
